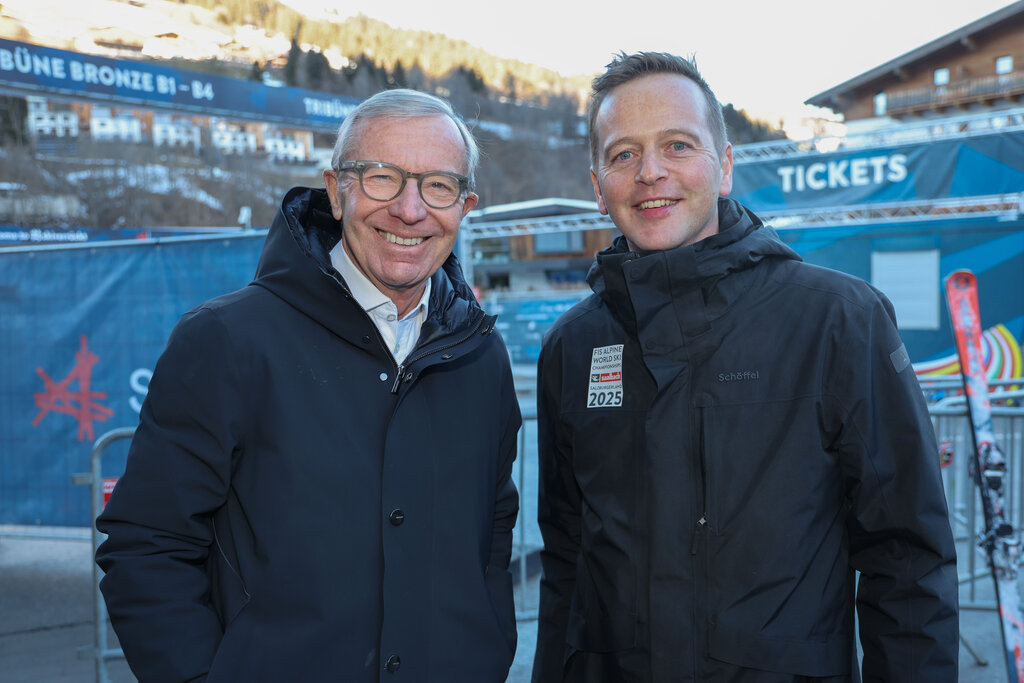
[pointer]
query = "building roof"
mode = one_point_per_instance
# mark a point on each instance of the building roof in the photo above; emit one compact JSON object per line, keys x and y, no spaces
{"x":961,"y":35}
{"x":534,"y":208}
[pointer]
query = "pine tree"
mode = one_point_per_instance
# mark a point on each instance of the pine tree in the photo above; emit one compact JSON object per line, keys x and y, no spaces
{"x":291,"y":68}
{"x":398,"y":78}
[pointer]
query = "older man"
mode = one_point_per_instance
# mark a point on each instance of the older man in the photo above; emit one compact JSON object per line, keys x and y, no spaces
{"x":319,"y":488}
{"x":727,"y":435}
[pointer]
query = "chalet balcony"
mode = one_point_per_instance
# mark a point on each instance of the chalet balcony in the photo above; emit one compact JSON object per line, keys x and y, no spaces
{"x":959,"y":94}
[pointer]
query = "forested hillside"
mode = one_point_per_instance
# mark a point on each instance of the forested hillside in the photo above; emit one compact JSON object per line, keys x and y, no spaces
{"x":368,"y":41}
{"x":528,"y":118}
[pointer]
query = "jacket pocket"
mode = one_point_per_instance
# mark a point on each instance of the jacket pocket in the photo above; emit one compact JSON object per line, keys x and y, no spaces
{"x":236,"y":659}
{"x":778,"y":590}
{"x":228,"y":592}
{"x":736,"y":644}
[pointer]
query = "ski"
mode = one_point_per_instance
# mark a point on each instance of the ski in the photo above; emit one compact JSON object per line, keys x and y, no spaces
{"x":999,"y":540}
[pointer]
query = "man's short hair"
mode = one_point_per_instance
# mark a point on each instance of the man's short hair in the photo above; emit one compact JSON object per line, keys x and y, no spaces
{"x":403,"y":103}
{"x":625,"y":68}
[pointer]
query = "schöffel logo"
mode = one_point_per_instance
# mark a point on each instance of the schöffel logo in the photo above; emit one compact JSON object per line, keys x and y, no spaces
{"x":739,"y":376}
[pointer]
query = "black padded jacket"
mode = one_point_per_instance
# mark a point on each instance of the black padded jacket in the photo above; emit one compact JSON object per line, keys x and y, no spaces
{"x":298,"y":508}
{"x":727,"y":435}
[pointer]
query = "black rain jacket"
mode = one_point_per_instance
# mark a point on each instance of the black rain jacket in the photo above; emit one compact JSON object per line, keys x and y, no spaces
{"x":296,"y":507}
{"x":705,"y":510}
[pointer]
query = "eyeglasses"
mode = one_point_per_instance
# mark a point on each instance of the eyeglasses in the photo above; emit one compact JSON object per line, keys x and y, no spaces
{"x":384,"y":182}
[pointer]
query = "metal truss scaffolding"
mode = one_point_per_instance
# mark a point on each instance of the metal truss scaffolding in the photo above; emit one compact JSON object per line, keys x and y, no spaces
{"x":925,"y":130}
{"x":997,"y":206}
{"x":1001,"y":207}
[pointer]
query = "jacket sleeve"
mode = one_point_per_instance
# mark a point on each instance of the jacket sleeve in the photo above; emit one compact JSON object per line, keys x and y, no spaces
{"x":157,"y":521}
{"x":899,"y":531}
{"x":558,"y":515}
{"x":506,"y":503}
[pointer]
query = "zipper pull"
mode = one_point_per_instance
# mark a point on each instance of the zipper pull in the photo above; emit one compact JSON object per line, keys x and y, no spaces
{"x":701,"y":525}
{"x":398,"y":379}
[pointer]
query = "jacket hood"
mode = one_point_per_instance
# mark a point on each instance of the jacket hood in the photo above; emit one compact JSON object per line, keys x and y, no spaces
{"x":741,"y":242}
{"x":296,"y":258}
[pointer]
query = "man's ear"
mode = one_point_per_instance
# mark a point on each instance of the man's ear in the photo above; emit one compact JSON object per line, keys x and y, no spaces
{"x":726,"y":185}
{"x":331,"y":185}
{"x":597,"y":193}
{"x":469,"y":202}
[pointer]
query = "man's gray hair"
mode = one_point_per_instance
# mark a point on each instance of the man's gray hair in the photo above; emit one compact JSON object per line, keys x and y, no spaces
{"x":403,"y":103}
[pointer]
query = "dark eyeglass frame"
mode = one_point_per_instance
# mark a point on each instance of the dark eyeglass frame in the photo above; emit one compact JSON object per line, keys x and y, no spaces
{"x":362,"y":166}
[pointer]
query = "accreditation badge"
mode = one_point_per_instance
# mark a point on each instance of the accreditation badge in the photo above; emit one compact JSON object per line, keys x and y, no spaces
{"x":605,"y":377}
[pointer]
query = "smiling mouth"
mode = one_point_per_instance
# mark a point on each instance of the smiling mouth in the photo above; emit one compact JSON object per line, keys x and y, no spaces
{"x":404,"y":241}
{"x":658,"y":203}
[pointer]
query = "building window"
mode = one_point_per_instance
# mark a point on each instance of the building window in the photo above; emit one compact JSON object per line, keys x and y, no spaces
{"x":558,"y":242}
{"x":880,"y":104}
{"x":497,"y":281}
{"x":1004,"y":64}
{"x":910,"y":279}
{"x":941,"y":76}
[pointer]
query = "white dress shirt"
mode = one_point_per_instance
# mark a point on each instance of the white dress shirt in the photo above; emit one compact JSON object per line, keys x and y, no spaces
{"x":400,"y":336}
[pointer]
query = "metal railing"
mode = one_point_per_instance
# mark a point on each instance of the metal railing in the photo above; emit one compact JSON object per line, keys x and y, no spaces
{"x":527,"y":541}
{"x":948,"y":411}
{"x":99,"y":652}
{"x":955,"y":92}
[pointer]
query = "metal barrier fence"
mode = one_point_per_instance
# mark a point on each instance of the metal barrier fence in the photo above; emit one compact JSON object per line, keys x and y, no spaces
{"x":948,"y":411}
{"x":99,"y":490}
{"x":526,"y":534}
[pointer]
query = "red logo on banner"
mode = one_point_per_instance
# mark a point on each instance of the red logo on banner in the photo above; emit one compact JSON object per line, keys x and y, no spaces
{"x":81,"y":404}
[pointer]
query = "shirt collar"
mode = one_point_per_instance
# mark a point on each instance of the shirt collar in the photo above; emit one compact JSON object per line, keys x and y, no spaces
{"x":365,"y":292}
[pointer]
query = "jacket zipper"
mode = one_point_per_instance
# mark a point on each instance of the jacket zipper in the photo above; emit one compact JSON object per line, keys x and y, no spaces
{"x":702,"y":521}
{"x":401,"y":368}
{"x":701,"y":608}
{"x":702,"y":524}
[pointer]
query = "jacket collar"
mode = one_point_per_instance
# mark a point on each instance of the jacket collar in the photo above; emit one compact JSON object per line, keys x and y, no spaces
{"x":295,"y":265}
{"x":691,"y":272}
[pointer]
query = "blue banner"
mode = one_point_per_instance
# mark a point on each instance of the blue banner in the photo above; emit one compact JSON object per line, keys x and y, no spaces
{"x":11,"y":235}
{"x":52,"y":71}
{"x":81,"y":330}
{"x":972,"y":166}
{"x":523,"y":322}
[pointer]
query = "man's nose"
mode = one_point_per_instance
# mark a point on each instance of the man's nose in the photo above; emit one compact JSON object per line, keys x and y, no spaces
{"x":409,"y":206}
{"x":651,"y":169}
